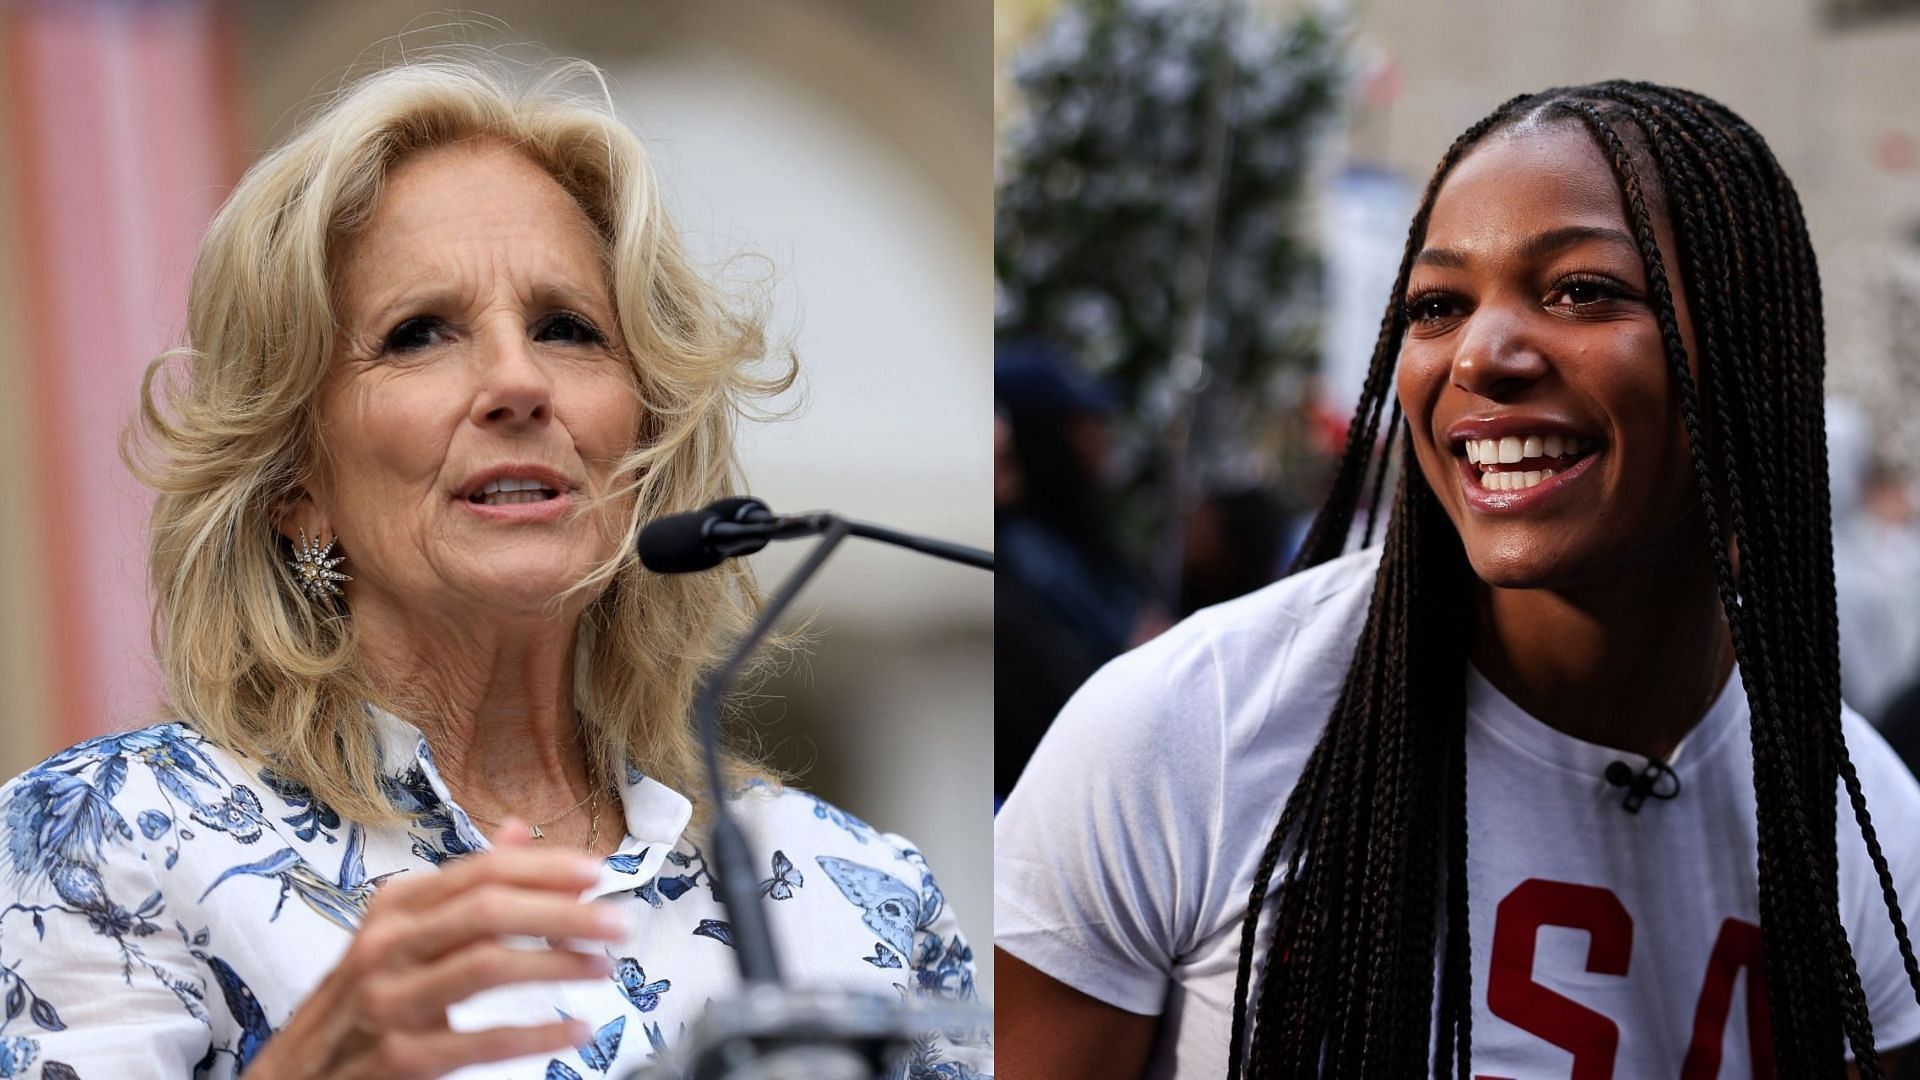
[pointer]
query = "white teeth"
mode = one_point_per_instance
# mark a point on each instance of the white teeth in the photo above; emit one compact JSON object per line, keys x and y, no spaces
{"x":511,"y":483}
{"x":1515,"y":448}
{"x":1514,"y":480}
{"x":512,"y":498}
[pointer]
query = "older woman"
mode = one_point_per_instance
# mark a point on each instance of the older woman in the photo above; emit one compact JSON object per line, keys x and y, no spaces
{"x":445,"y":354}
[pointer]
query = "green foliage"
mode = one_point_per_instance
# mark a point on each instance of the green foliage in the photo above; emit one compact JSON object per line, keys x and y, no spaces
{"x":1104,"y":194}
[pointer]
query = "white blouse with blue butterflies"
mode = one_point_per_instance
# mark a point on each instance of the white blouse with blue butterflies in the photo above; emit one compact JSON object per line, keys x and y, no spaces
{"x":165,"y":904}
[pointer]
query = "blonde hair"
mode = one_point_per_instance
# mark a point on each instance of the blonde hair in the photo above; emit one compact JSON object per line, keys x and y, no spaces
{"x":226,"y":434}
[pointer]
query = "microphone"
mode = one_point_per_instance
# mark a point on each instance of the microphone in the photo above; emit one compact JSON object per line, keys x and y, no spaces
{"x":700,"y":540}
{"x":765,"y":1032}
{"x":741,"y":525}
{"x":1645,"y":783}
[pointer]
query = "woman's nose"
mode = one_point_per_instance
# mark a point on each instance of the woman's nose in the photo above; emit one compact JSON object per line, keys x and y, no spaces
{"x":1497,"y":353}
{"x":515,"y":388}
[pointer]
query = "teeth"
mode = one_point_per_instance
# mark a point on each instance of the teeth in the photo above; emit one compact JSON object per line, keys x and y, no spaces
{"x":510,"y":483}
{"x":512,"y":498}
{"x":1514,"y":481}
{"x":1517,"y":448}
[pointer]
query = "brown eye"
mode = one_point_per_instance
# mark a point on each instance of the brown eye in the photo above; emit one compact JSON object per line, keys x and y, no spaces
{"x":1430,"y":307}
{"x":568,"y":328}
{"x":413,"y":335}
{"x":1583,"y":293}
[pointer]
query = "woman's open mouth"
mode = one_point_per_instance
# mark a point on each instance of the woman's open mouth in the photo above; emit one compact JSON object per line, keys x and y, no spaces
{"x":1515,"y":470}
{"x":508,"y":491}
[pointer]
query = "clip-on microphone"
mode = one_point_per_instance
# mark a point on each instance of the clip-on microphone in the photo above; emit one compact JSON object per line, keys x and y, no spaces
{"x":1644,"y":783}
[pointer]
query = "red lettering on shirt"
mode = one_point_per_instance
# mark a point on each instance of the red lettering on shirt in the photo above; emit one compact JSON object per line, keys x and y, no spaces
{"x":1737,"y":947}
{"x":1513,"y":996}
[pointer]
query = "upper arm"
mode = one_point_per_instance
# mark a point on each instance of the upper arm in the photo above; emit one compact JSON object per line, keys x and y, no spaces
{"x":93,"y":968}
{"x":1046,"y":1029}
{"x":1104,"y":853}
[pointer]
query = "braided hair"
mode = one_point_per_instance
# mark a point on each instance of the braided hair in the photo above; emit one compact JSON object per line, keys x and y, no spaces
{"x":1370,"y":850}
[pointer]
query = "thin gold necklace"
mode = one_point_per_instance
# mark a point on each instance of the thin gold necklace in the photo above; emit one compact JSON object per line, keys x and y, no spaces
{"x":534,"y":830}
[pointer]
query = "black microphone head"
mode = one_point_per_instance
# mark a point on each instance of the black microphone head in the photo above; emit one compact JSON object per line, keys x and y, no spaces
{"x":742,"y":509}
{"x":1620,"y":774}
{"x":677,"y":544}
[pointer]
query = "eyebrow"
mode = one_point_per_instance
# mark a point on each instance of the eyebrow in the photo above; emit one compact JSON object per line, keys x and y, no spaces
{"x":1539,"y":246}
{"x":441,"y":297}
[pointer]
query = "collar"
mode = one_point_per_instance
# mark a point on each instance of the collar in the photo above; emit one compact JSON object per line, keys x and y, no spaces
{"x":1502,"y":718}
{"x":655,"y":815}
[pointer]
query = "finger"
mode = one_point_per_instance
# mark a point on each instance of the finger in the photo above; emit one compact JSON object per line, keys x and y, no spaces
{"x":441,"y":1052}
{"x":514,"y":833}
{"x":490,"y":911}
{"x":418,"y":998}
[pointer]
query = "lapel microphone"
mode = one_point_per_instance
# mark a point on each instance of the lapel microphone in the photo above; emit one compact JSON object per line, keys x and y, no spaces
{"x":1657,"y":780}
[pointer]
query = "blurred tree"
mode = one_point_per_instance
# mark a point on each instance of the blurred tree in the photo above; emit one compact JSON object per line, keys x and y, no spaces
{"x":1158,"y":156}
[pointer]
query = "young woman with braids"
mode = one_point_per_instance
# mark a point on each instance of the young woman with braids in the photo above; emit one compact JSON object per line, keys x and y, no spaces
{"x":1557,"y":781}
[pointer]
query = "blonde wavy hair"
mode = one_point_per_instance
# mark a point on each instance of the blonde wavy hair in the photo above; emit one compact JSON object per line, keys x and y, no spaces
{"x":226,"y":434}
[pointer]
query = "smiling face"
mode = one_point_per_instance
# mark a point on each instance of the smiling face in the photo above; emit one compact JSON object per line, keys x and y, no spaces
{"x":477,"y":355}
{"x":1533,"y":378}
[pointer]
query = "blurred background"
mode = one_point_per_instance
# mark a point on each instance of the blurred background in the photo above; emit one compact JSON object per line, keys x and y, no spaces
{"x":1200,"y":210}
{"x":848,"y":141}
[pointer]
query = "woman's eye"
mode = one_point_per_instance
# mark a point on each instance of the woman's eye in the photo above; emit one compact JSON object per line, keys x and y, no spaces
{"x":1580,"y":294}
{"x":1430,"y":307}
{"x":570,"y":328}
{"x":412,"y":335}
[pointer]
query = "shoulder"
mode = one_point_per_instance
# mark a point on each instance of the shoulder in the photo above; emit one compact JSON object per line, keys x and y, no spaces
{"x":1329,"y":600}
{"x":1130,"y":835}
{"x":87,"y":801}
{"x":799,"y":833}
{"x":1267,"y":665}
{"x":124,"y":768}
{"x":1893,"y":795}
{"x":852,"y":886}
{"x":804,"y":825}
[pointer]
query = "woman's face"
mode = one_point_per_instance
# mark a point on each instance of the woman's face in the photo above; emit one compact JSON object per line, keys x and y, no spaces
{"x":477,"y":394}
{"x":1532,"y":337}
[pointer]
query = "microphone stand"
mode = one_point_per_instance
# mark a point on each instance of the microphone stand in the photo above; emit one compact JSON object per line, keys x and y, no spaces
{"x":753,"y":943}
{"x":766,"y":1033}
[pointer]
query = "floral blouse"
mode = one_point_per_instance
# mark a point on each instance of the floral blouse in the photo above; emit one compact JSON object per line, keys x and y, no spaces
{"x":165,"y":904}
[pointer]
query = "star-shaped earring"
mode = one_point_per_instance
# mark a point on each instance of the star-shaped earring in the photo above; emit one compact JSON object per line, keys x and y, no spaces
{"x":314,"y":570}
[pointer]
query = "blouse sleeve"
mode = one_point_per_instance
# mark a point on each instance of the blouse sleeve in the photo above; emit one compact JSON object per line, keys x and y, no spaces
{"x":943,"y":970}
{"x":98,"y":979}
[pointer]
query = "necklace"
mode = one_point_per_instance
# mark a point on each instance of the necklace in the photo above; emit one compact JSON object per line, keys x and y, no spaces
{"x":534,"y":830}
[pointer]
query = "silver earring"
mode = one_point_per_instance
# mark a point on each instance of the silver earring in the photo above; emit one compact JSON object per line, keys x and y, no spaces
{"x":314,"y":570}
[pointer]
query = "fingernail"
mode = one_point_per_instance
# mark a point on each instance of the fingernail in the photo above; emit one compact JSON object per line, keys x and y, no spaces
{"x":610,"y":921}
{"x":578,"y":1031}
{"x":587,"y":868}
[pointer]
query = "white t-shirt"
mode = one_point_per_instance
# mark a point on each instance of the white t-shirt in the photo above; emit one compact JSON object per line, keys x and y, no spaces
{"x":1124,"y":856}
